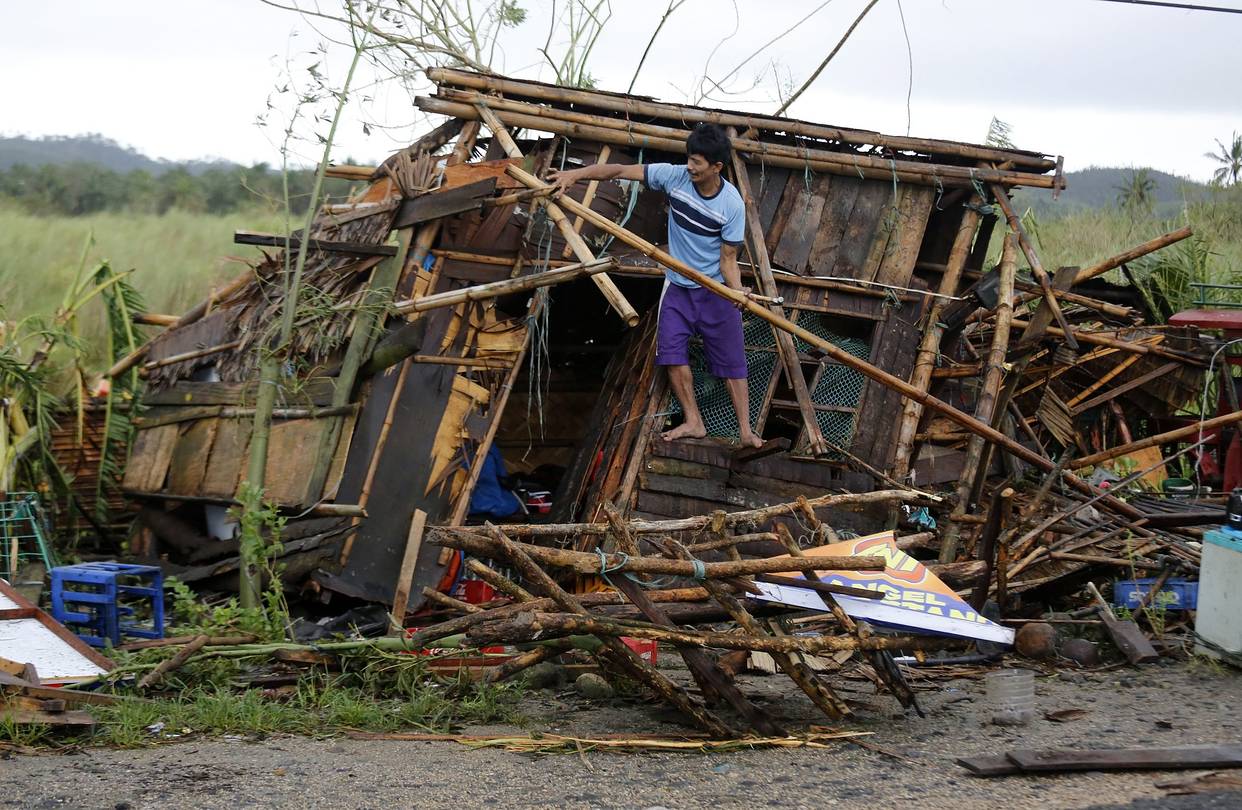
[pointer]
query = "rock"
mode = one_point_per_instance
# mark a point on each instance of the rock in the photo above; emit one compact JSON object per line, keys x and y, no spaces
{"x":546,"y":676}
{"x":593,"y":686}
{"x":1082,"y":652}
{"x":1036,"y":640}
{"x":1071,"y":677}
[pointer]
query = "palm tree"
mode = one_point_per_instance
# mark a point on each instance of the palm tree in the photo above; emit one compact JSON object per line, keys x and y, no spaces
{"x":1137,"y":192}
{"x":1230,"y":160}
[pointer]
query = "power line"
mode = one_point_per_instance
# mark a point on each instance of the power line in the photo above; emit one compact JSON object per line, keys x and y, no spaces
{"x":1183,"y":6}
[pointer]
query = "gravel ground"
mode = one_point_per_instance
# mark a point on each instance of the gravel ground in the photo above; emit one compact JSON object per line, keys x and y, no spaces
{"x":1167,"y":704}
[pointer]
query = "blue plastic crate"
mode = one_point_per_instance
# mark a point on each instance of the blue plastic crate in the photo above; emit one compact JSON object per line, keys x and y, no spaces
{"x":100,"y":601}
{"x":1184,"y":593}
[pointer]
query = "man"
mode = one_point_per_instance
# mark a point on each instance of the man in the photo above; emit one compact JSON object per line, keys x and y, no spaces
{"x":706,"y":226}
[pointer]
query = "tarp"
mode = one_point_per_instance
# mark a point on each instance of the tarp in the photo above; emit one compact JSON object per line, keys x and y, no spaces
{"x":914,"y":598}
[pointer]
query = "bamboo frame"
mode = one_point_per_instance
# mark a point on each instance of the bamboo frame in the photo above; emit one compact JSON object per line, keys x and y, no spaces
{"x":495,"y":289}
{"x":905,"y":171}
{"x":637,"y":108}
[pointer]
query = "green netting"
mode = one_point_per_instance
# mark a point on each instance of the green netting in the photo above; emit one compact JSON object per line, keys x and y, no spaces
{"x":710,"y":392}
{"x":838,"y":386}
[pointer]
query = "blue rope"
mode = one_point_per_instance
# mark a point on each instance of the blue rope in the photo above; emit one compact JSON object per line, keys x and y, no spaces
{"x":700,"y":571}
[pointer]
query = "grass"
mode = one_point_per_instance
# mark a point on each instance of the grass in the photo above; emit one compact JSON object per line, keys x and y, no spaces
{"x":1085,"y":237}
{"x":177,"y":258}
{"x":373,"y":692}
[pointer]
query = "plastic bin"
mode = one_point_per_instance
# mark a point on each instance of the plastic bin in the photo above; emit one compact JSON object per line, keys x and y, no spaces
{"x":1220,"y":596}
{"x":1011,"y":696}
{"x":101,"y":601}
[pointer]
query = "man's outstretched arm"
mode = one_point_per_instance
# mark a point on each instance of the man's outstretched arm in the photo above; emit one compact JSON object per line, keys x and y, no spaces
{"x":599,"y":171}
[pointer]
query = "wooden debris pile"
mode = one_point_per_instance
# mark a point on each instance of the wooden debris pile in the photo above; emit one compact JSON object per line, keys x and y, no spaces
{"x":666,"y":593}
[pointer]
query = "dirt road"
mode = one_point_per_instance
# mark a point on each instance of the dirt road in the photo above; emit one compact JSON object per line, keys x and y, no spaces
{"x":1158,"y":705}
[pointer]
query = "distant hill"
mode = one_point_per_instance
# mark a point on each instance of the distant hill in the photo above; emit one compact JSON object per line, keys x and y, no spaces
{"x":94,"y":149}
{"x":1098,"y":187}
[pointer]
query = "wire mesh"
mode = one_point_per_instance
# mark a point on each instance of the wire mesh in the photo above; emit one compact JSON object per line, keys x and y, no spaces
{"x":21,"y":534}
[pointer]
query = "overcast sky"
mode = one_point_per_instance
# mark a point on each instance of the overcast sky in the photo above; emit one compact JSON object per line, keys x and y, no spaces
{"x":1100,"y":83}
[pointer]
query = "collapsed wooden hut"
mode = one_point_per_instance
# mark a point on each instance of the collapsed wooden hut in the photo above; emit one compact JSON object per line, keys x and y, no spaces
{"x":452,"y":307}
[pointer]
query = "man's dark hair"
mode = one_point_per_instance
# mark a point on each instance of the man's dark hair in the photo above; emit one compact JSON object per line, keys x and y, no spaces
{"x":710,"y":141}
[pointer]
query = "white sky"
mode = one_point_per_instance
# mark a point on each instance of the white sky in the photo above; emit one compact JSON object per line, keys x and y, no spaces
{"x":1101,"y":83}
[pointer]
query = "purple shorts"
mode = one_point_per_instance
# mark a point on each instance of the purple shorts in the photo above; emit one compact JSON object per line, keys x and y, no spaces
{"x":687,"y":310}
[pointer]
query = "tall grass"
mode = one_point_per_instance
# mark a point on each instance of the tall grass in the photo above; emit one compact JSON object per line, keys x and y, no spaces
{"x":1085,"y":237}
{"x":177,"y":258}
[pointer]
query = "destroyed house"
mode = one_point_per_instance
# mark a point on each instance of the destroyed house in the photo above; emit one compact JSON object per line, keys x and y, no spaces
{"x":453,"y":312}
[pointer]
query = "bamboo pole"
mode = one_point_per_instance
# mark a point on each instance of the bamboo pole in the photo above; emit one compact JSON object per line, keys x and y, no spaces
{"x":929,"y":347}
{"x":1162,"y":438}
{"x":1037,"y":268}
{"x":191,"y":355}
{"x":591,"y":563}
{"x":498,"y":581}
{"x":543,"y":625}
{"x":1113,"y":262}
{"x":1122,"y":345}
{"x":495,"y":289}
{"x":605,"y":284}
{"x":904,"y":171}
{"x":755,"y":516}
{"x":843,"y":357}
{"x":587,"y":197}
{"x":631,"y":133}
{"x":985,"y":405}
{"x":784,"y":341}
{"x":637,"y":108}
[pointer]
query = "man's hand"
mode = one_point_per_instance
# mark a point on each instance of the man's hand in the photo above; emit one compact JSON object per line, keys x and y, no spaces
{"x":745,"y":291}
{"x":563,"y":179}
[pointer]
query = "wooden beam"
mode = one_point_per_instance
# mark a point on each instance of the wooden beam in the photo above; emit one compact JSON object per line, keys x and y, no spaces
{"x":294,"y":242}
{"x":784,"y":341}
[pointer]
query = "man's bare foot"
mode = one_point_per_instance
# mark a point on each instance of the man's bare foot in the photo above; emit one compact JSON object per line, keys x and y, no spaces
{"x":685,"y":430}
{"x":750,"y":439}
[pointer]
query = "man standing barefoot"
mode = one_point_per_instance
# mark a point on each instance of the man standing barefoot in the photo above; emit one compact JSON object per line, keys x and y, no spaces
{"x":706,"y":226}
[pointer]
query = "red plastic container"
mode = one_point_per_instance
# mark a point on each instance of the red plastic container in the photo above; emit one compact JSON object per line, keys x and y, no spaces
{"x":646,"y":648}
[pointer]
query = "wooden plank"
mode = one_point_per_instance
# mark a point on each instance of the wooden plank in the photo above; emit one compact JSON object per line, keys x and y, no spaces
{"x":289,"y":465}
{"x":903,"y":247}
{"x":227,"y":459}
{"x":784,"y":209}
{"x":837,"y":208}
{"x":1126,"y":387}
{"x":315,"y":391}
{"x":327,"y":245}
{"x":795,"y":245}
{"x":444,"y":202}
{"x":189,"y":461}
{"x":150,"y":458}
{"x":886,"y":233}
{"x":409,"y":561}
{"x":1128,"y":759}
{"x":474,"y":272}
{"x":464,"y":174}
{"x":769,"y":185}
{"x":861,"y":229}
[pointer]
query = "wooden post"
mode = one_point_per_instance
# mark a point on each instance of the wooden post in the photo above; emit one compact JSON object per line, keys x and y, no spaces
{"x":588,"y":196}
{"x":998,"y":516}
{"x":605,"y":283}
{"x":985,"y":404}
{"x":929,"y":348}
{"x":1037,"y":269}
{"x":409,"y":562}
{"x":784,"y":341}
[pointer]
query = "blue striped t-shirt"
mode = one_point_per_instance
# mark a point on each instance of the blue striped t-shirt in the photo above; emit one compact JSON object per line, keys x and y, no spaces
{"x":697,"y":225}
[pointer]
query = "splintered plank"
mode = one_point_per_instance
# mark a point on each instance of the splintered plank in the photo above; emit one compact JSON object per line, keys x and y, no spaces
{"x":795,"y":243}
{"x":836,"y":216}
{"x":861,"y":228}
{"x":902,"y":251}
{"x":150,"y":459}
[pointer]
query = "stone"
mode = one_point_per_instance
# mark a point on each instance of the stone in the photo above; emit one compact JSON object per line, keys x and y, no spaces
{"x":593,"y":686}
{"x":1037,"y":640}
{"x":1082,"y":652}
{"x":546,"y":675}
